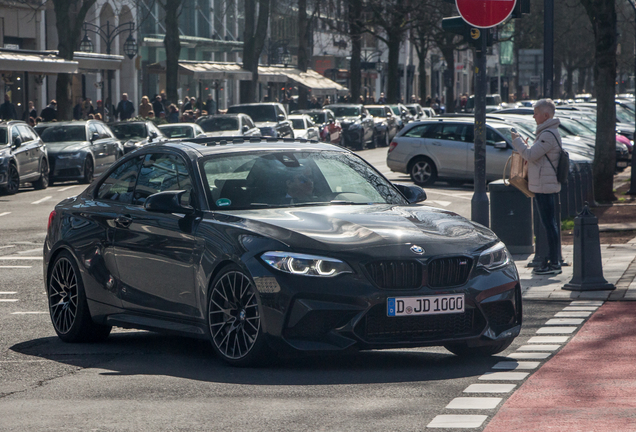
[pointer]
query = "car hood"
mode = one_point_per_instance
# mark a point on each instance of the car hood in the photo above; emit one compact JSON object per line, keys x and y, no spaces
{"x":385,"y":228}
{"x":348,"y":119}
{"x":66,"y":147}
{"x":265,"y":124}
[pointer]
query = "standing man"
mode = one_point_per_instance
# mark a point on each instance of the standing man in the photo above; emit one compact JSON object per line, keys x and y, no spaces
{"x":157,"y":106}
{"x":210,"y":105}
{"x":50,"y":112}
{"x":7,"y":109}
{"x":125,"y":108}
{"x":543,"y":160}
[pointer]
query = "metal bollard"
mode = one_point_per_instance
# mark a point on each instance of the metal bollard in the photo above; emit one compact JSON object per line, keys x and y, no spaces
{"x":578,"y":195}
{"x":588,"y":268}
{"x":589,"y":184}
{"x":571,"y":188}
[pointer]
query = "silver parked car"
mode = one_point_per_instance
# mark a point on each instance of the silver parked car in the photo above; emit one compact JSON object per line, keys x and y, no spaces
{"x":23,"y":157}
{"x":444,"y":149}
{"x":231,"y":125}
{"x":304,"y":127}
{"x":180,"y":131}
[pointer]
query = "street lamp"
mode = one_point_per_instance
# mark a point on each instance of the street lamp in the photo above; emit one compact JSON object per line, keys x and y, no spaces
{"x":286,"y":58}
{"x":108,"y":35}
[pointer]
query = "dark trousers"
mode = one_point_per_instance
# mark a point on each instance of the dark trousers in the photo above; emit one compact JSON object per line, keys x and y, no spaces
{"x":546,"y":205}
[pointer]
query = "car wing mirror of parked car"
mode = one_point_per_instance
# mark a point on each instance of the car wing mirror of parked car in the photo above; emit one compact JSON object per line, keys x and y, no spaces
{"x":413,"y":194}
{"x":17,"y":142}
{"x":167,"y":202}
{"x":246,"y":128}
{"x":281,"y":117}
{"x":94,"y":136}
{"x":501,"y":145}
{"x":153,"y":135}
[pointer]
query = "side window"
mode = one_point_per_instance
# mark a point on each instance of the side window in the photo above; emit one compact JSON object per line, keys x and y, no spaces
{"x":15,"y":133}
{"x":103,"y":132}
{"x":279,"y":111}
{"x":25,"y":133}
{"x":119,"y":185}
{"x":92,"y":128}
{"x":492,"y":137}
{"x":433,"y":132}
{"x":162,"y":172}
{"x":418,"y":131}
{"x":331,"y":117}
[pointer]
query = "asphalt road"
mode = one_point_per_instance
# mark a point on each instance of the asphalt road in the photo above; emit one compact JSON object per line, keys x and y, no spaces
{"x":142,"y":381}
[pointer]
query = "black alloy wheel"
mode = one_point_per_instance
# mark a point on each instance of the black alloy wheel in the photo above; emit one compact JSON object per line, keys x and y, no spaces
{"x":68,"y":307}
{"x":234,"y":319}
{"x":43,"y":181}
{"x":387,"y":141}
{"x":89,"y":170}
{"x":423,"y":172}
{"x":13,"y":180}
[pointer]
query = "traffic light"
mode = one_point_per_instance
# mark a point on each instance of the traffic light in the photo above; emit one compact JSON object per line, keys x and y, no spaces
{"x":522,"y":7}
{"x":471,"y":35}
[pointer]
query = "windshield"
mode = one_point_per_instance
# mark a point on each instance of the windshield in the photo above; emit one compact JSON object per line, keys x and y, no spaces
{"x":624,"y":115}
{"x":177,"y":131}
{"x":298,"y":123}
{"x":126,"y":131}
{"x":412,"y":110}
{"x":396,"y":110}
{"x":345,"y":111}
{"x":218,"y":124}
{"x":319,"y":118}
{"x":289,"y":179}
{"x":576,"y":128}
{"x":52,"y":134}
{"x":376,"y":112}
{"x":4,"y":136}
{"x":506,"y":131}
{"x":259,"y":113}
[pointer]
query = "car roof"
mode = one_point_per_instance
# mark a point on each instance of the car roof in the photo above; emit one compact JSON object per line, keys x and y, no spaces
{"x":217,"y":145}
{"x":65,"y":123}
{"x":343,"y":105}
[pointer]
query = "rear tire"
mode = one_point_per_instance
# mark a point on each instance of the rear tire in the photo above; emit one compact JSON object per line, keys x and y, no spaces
{"x":68,"y":307}
{"x":462,"y":350}
{"x":423,"y":171}
{"x":43,"y":181}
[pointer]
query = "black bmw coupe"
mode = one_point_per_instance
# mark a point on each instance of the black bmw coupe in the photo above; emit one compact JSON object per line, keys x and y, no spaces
{"x":274,"y":246}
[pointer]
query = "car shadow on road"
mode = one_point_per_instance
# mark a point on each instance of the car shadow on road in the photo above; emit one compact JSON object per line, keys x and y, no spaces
{"x":145,"y":353}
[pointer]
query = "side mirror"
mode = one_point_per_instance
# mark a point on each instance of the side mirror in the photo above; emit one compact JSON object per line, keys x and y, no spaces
{"x":167,"y":202}
{"x":245,"y":128}
{"x":281,"y":117}
{"x":501,"y":145}
{"x":413,"y":194}
{"x":17,"y":142}
{"x":94,"y":136}
{"x":153,"y":135}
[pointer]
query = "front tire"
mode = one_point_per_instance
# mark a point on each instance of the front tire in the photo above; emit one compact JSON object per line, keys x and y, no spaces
{"x":423,"y":172}
{"x":68,"y":307}
{"x":234,"y":319}
{"x":43,"y":181}
{"x":89,"y":170}
{"x":13,"y":180}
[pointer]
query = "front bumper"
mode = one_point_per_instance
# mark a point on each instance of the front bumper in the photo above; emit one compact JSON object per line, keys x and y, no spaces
{"x":66,"y":169}
{"x":305,"y":314}
{"x":353,"y":135}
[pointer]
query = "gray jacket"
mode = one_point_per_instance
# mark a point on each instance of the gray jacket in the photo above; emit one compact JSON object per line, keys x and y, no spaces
{"x":541,"y":175}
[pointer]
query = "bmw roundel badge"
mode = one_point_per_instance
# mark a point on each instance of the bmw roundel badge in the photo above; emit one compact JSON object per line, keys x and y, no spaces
{"x":417,"y":249}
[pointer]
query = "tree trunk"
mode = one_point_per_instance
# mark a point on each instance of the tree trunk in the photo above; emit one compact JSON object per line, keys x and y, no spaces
{"x":569,"y":88}
{"x":393,"y":80}
{"x":303,"y":51}
{"x":557,"y":91}
{"x":69,"y":17}
{"x":173,"y":49}
{"x":449,"y":55}
{"x":602,"y":14}
{"x":582,"y":79}
{"x":355,"y":31}
{"x":253,"y":43}
{"x":422,"y":69}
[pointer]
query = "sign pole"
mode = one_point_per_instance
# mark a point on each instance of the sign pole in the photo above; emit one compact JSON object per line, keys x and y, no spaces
{"x":479,"y":203}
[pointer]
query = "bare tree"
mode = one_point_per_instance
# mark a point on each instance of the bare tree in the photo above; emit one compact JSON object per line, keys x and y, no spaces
{"x":253,"y":43}
{"x":602,"y":14}
{"x":173,"y":46}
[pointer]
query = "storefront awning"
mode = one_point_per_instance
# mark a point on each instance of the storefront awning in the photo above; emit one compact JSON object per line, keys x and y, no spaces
{"x":318,"y":84}
{"x":205,"y":70}
{"x":97,"y":61}
{"x":204,"y":44}
{"x":42,"y":63}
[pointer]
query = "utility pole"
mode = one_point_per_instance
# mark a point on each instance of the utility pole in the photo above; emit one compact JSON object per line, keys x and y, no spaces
{"x":632,"y":183}
{"x":548,"y":48}
{"x":480,"y":206}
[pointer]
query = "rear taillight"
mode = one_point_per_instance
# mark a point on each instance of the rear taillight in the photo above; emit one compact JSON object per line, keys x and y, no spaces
{"x":392,"y":146}
{"x":51,"y":216}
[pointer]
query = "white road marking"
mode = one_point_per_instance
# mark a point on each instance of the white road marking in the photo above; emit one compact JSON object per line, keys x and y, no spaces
{"x":14,"y":267}
{"x":29,"y":313}
{"x":579,"y":308}
{"x":539,"y":347}
{"x":8,"y":300}
{"x":7,"y":246}
{"x":529,"y":355}
{"x":19,"y":258}
{"x":556,"y":330}
{"x":30,"y":251}
{"x":490,"y":388}
{"x":515,"y":365}
{"x":503,"y":376}
{"x":46,"y":198}
{"x":580,"y":314}
{"x":5,"y":213}
{"x":548,"y":339}
{"x":67,"y":188}
{"x":433,"y":191}
{"x":564,"y":321}
{"x":474,"y":403}
{"x":457,"y":421}
{"x":586,"y":303}
{"x":8,"y":292}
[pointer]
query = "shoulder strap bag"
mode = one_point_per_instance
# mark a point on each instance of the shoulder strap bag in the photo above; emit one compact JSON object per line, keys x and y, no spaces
{"x":563,"y":167}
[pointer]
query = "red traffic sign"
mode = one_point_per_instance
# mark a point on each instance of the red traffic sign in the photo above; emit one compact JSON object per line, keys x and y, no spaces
{"x":485,"y":13}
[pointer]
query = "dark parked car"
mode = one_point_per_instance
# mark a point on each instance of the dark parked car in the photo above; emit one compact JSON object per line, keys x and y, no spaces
{"x":262,"y":249}
{"x":270,"y":118}
{"x":23,"y":157}
{"x":135,"y":134}
{"x":386,"y":123}
{"x":358,"y":128}
{"x":79,"y":150}
{"x":330,"y":129}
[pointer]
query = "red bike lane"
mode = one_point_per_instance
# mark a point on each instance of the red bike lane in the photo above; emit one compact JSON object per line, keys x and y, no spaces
{"x":590,"y":385}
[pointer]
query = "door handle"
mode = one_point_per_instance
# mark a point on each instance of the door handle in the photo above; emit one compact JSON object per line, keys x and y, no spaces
{"x":123,"y":221}
{"x":435,"y":143}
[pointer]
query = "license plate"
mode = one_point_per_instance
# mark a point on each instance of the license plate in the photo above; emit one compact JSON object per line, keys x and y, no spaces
{"x":428,"y":305}
{"x":622,"y":164}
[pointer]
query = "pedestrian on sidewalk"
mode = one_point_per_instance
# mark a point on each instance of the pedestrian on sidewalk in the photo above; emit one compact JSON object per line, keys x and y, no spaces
{"x":543,"y":159}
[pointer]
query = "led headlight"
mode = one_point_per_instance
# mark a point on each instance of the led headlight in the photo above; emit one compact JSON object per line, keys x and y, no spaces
{"x":131,"y":143}
{"x":494,"y":257}
{"x":307,"y":265}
